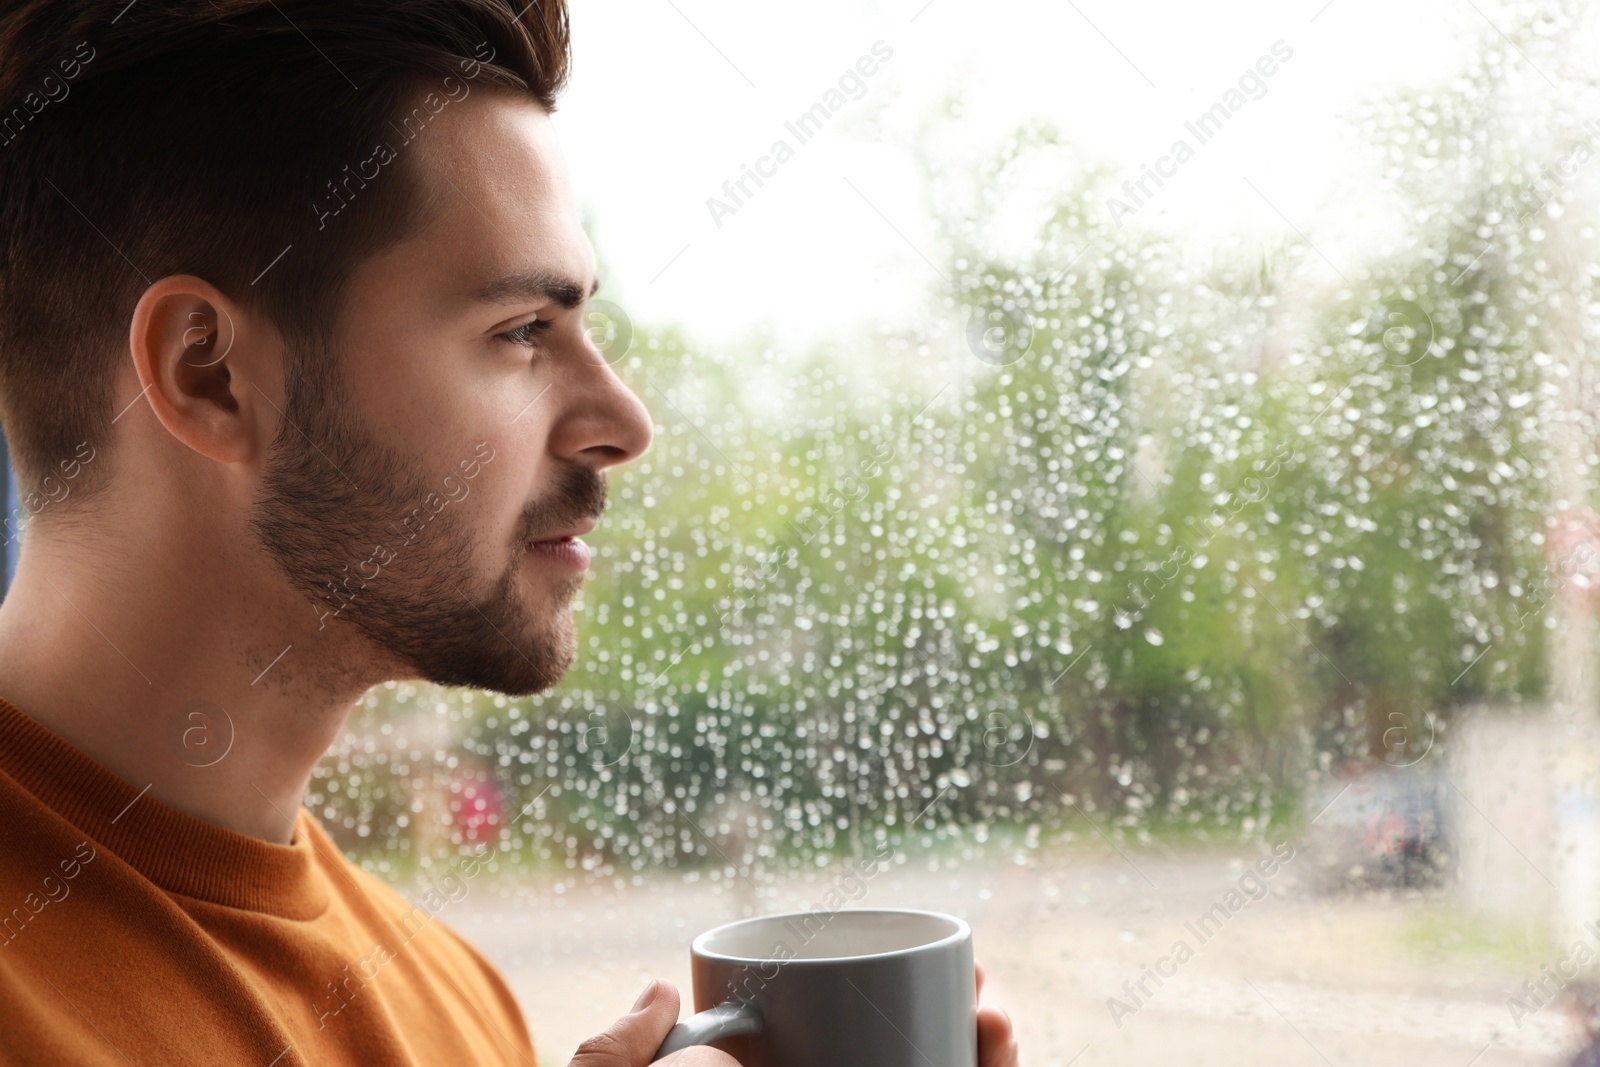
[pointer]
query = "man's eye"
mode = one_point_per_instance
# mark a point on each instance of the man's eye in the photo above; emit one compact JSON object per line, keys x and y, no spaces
{"x":525,"y":334}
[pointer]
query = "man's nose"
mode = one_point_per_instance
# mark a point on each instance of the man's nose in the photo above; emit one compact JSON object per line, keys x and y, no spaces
{"x":604,"y":424}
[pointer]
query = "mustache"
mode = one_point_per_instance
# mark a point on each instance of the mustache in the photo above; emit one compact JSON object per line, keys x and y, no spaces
{"x":579,"y":495}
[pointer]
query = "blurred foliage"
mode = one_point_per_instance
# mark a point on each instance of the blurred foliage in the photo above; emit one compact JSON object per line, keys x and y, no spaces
{"x":1121,"y":544}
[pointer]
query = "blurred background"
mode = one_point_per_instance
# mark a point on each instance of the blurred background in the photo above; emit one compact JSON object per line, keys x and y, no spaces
{"x":1136,"y":462}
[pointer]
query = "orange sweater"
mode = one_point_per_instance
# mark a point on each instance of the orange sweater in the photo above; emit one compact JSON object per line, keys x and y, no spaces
{"x":133,"y":933}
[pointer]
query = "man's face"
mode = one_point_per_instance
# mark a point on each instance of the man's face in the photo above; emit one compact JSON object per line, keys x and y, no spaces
{"x":434,"y":473}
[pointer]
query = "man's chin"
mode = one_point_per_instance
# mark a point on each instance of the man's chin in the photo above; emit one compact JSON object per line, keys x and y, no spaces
{"x":516,"y":664}
{"x":517,"y":677}
{"x":490,"y":646}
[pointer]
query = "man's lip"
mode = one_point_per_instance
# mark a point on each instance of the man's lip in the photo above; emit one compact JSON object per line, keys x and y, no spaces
{"x":572,"y":531}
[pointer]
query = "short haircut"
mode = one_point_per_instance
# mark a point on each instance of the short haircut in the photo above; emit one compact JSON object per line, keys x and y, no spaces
{"x":228,"y":139}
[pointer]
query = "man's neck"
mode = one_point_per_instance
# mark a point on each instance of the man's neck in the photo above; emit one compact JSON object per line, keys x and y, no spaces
{"x":207,"y":687}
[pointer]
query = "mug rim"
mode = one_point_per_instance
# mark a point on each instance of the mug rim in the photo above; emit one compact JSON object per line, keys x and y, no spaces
{"x":962,"y":931}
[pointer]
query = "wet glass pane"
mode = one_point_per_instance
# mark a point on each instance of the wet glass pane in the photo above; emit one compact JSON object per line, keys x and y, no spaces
{"x":1137,"y":495}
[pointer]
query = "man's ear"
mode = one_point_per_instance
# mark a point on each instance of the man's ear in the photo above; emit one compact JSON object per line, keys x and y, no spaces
{"x":208,"y":369}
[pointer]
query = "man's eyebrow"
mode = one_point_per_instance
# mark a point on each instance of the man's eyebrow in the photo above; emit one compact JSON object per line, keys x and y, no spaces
{"x":533,"y":285}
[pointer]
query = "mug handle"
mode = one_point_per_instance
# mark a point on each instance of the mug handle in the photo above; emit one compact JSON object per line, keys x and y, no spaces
{"x":725,"y":1020}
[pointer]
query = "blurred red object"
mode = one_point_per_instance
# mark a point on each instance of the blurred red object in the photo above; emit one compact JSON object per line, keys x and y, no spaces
{"x":478,"y":805}
{"x":1572,"y":543}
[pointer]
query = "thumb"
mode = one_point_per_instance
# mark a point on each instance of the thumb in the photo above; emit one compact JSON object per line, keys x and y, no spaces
{"x":632,"y":1040}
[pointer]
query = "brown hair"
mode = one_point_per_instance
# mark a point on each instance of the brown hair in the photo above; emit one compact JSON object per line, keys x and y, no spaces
{"x":235,"y":140}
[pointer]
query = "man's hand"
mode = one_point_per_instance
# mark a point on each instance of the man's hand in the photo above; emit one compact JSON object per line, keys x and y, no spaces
{"x":634,"y":1038}
{"x":997,"y":1044}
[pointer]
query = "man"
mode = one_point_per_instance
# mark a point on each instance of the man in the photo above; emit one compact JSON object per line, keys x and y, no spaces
{"x":292,"y":352}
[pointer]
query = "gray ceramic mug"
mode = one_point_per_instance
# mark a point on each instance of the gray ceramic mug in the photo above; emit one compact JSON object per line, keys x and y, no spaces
{"x":860,"y":988}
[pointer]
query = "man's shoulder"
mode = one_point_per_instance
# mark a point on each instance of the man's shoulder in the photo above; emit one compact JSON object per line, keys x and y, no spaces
{"x":43,"y":861}
{"x":411,"y":920}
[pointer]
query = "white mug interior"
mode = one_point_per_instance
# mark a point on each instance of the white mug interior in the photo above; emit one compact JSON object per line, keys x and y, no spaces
{"x":822,"y":936}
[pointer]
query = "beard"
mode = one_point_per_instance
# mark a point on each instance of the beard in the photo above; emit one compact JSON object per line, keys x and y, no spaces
{"x":331,"y":510}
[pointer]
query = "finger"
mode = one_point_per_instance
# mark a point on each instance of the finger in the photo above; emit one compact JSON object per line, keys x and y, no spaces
{"x":632,"y":1040}
{"x":979,"y":968}
{"x":997,"y":1042}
